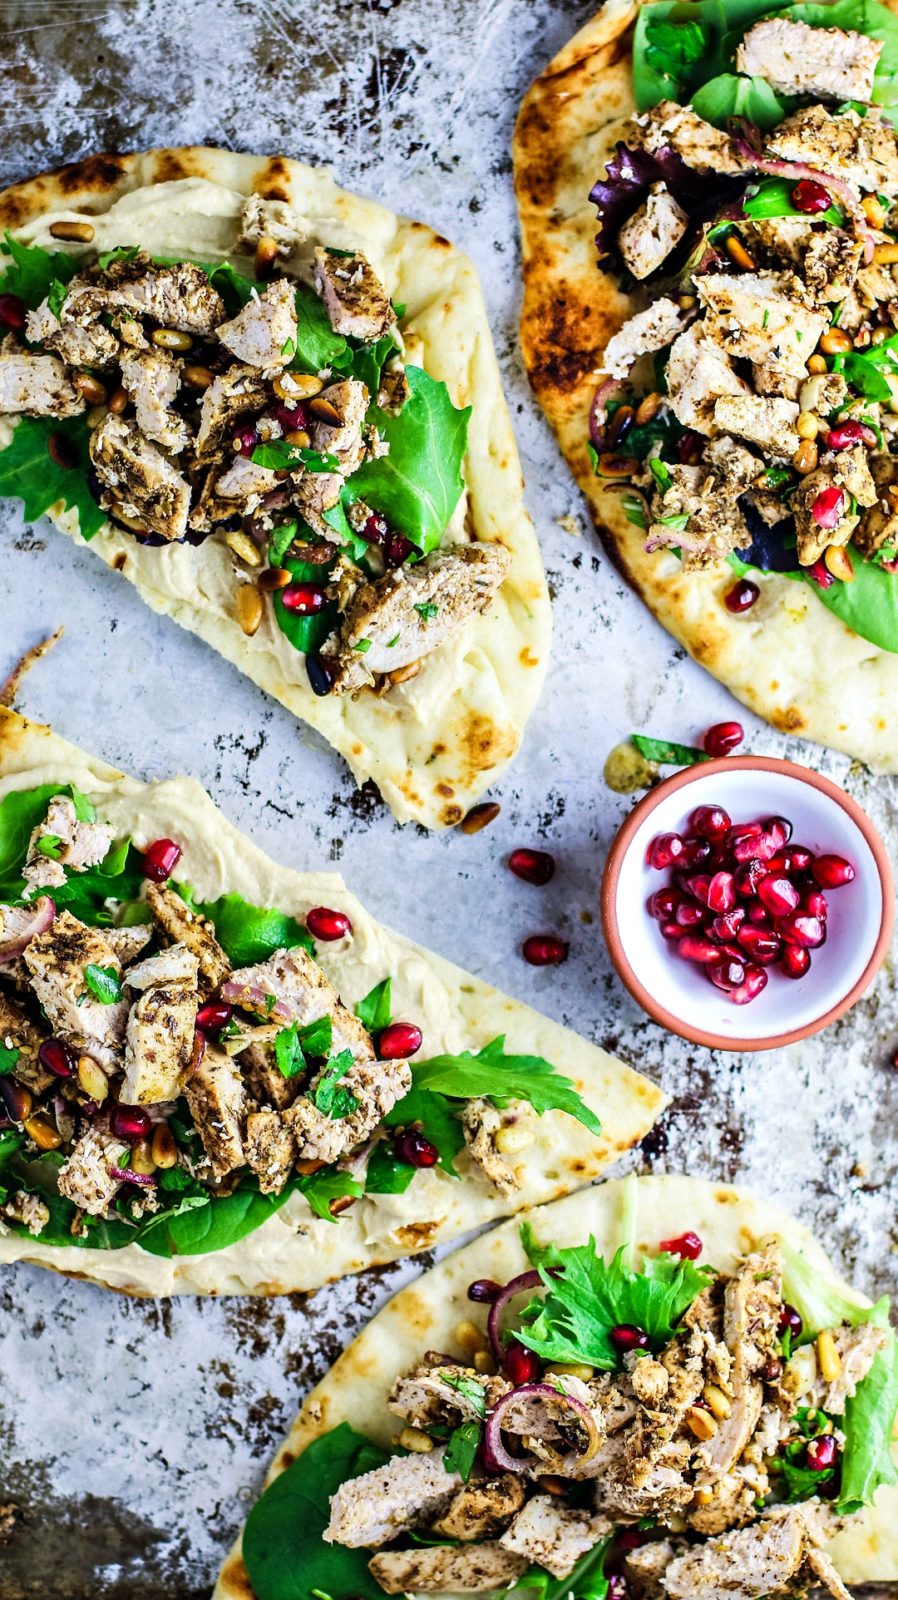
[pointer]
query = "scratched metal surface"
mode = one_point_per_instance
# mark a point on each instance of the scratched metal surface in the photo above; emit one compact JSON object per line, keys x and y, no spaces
{"x":133,"y":1436}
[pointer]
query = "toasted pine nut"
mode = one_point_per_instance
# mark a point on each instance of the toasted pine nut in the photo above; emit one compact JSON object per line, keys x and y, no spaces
{"x":243,"y":547}
{"x":164,"y":1150}
{"x":571,"y":1369}
{"x":700,"y":1422}
{"x":703,"y":1497}
{"x":273,"y":578}
{"x":879,"y":336}
{"x":807,"y":425}
{"x":838,"y":562}
{"x":483,"y":1361}
{"x":324,"y":410}
{"x":266,"y":256}
{"x":197,"y":377}
{"x":738,"y":254}
{"x":873,"y":210}
{"x":92,"y":389}
{"x":44,"y":1136}
{"x":81,"y":232}
{"x":94,"y":416}
{"x":716,"y":1401}
{"x":687,"y":302}
{"x":805,"y":457}
{"x":885,"y":255}
{"x":620,"y":426}
{"x":299,"y":438}
{"x":297,"y":385}
{"x":816,"y":364}
{"x":118,"y":400}
{"x":514,"y":1138}
{"x":649,"y":407}
{"x":416,"y":1440}
{"x":480,"y":817}
{"x":470,"y":1338}
{"x":550,"y":1484}
{"x":171,"y":339}
{"x":92,"y":1079}
{"x":828,"y":1358}
{"x":834,"y":342}
{"x":249,"y":608}
{"x":15,"y":1099}
{"x":611,"y":466}
{"x":141,"y":1158}
{"x":403,"y":674}
{"x":305,"y":1167}
{"x":343,"y":1203}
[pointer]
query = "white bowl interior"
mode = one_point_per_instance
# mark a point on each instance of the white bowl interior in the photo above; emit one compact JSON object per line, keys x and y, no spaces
{"x":855,"y":911}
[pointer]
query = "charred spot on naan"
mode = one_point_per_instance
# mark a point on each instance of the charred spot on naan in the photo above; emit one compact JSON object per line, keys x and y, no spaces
{"x":75,"y":185}
{"x":235,"y":1580}
{"x":272,"y":181}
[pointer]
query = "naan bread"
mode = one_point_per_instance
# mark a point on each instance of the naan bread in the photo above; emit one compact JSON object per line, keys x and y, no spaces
{"x":294,"y":1250}
{"x":424,"y":1317}
{"x":789,"y":659}
{"x":433,"y":744}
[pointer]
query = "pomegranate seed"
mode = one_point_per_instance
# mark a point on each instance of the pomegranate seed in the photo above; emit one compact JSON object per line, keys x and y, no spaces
{"x":844,"y":435}
{"x":790,"y":1321}
{"x":671,"y":930}
{"x":722,"y":738}
{"x":780,"y":827}
{"x":712,"y":822}
{"x":396,"y":549}
{"x":245,"y":440}
{"x":810,"y":197}
{"x":700,"y":950}
{"x":742,"y":839}
{"x":630,"y":1538}
{"x":696,"y":852}
{"x":376,"y":529}
{"x":699,"y":886}
{"x":213,"y":1016}
{"x":755,"y":981}
{"x":821,"y":574}
{"x":13,"y":311}
{"x":662,"y":905}
{"x":327,"y":925}
{"x":305,"y":599}
{"x":831,"y":872}
{"x":798,"y":858}
{"x":626,"y":1336}
{"x":544,"y":950}
{"x":727,"y":926}
{"x":688,"y":915}
{"x":533,"y":866}
{"x":722,"y":892}
{"x":62,"y":452}
{"x":521,"y":1364}
{"x":130,"y":1122}
{"x":821,"y":1453}
{"x":483,"y":1291}
{"x":728,"y":975}
{"x":321,"y":674}
{"x":742,"y":596}
{"x":762,"y":944}
{"x":688,"y":1245}
{"x":778,"y":895}
{"x":665,"y":851}
{"x":748,"y":876}
{"x":690,"y":447}
{"x":57,"y":1057}
{"x":416,"y":1151}
{"x":816,"y":904}
{"x":291,"y":418}
{"x":160,"y":859}
{"x":802,"y":930}
{"x":399,"y":1040}
{"x":759,"y":917}
{"x":828,"y":507}
{"x":795,"y":961}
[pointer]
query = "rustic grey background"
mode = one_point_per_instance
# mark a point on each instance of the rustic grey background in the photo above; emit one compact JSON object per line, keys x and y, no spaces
{"x":133,"y":1436}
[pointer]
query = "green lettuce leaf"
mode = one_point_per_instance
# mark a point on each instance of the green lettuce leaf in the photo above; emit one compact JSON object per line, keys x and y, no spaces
{"x":732,"y":94}
{"x":34,"y":271}
{"x":252,"y":933}
{"x":492,"y":1073}
{"x":439,"y":1121}
{"x":869,"y":1424}
{"x":374,"y":1011}
{"x":29,"y":473}
{"x":821,"y":1303}
{"x":418,"y":485}
{"x":868,"y":605}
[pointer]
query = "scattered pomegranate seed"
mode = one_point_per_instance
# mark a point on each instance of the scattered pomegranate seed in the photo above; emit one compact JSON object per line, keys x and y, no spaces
{"x":665,"y":851}
{"x":821,"y":574}
{"x":726,"y":927}
{"x":130,"y":1122}
{"x":626,"y":1336}
{"x":376,"y":529}
{"x":802,"y":930}
{"x":291,"y":418}
{"x":213,"y":1016}
{"x":688,"y":915}
{"x":831,"y":872}
{"x":521,"y":1364}
{"x":816,"y":904}
{"x":630,"y":1538}
{"x":327,"y":925}
{"x":160,"y":859}
{"x":245,"y":440}
{"x":321,"y":675}
{"x":305,"y":599}
{"x":712,"y":822}
{"x":688,"y":1245}
{"x":728,"y":975}
{"x":790,"y":1321}
{"x":483,"y":1291}
{"x":722,"y":892}
{"x":662,"y":905}
{"x":57,"y":1057}
{"x":671,"y":930}
{"x":755,"y":982}
{"x":761,"y":944}
{"x":700,"y":950}
{"x":399,"y":1040}
{"x":747,"y":877}
{"x":396,"y":549}
{"x":845,"y":434}
{"x":698,"y":885}
{"x":533,"y":866}
{"x":795,"y":961}
{"x":416,"y":1151}
{"x":544,"y":950}
{"x":810,"y":197}
{"x":695,"y":851}
{"x":778,"y":895}
{"x":722,"y":738}
{"x":821,"y":1453}
{"x":742,"y":596}
{"x":13,"y":312}
{"x":828,"y":507}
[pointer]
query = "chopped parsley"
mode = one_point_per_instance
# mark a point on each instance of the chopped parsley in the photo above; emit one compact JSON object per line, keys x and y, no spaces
{"x":104,"y":983}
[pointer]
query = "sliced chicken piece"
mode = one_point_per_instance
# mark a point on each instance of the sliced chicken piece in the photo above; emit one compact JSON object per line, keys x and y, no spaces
{"x":759,"y":316}
{"x":152,"y":379}
{"x":831,"y":265}
{"x":440,"y":1392}
{"x":128,"y":942}
{"x":141,"y":484}
{"x":218,"y":1104}
{"x":648,"y":237}
{"x":862,"y":150}
{"x":698,"y":372}
{"x":759,"y":1560}
{"x":75,"y":845}
{"x":291,"y":987}
{"x":828,"y":63}
{"x":89,"y":344}
{"x":183,"y":926}
{"x":161,"y":1026}
{"x":481,"y":1122}
{"x":482,"y":1508}
{"x":751,"y":1314}
{"x":270,"y":1149}
{"x":857,"y":1349}
{"x":397,"y":619}
{"x":354,"y":298}
{"x":553,"y":1534}
{"x":376,"y":1085}
{"x":769,"y":423}
{"x":879,"y":524}
{"x":177,"y":296}
{"x":772,"y":378}
{"x":36,"y":385}
{"x":474,"y":1569}
{"x":85,"y":1178}
{"x":315,"y":493}
{"x":643,"y":333}
{"x":407,"y":1492}
{"x":704,"y":148}
{"x":177,"y":964}
{"x":18,"y":1032}
{"x":645,"y":1567}
{"x":270,"y":219}
{"x":231,"y":396}
{"x":263,"y":333}
{"x":264,"y":1078}
{"x":245,"y":484}
{"x":341,"y":436}
{"x":57,"y":961}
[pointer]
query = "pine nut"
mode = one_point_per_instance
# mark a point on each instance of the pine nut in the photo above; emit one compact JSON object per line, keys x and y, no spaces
{"x":92,"y":1079}
{"x":249,"y":608}
{"x":118,"y":400}
{"x":483,"y":1361}
{"x":197,"y":377}
{"x":469,"y":1338}
{"x":44,"y":1136}
{"x":243,"y":547}
{"x":817,"y":364}
{"x":513,"y":1138}
{"x":571,"y":1369}
{"x":94,"y":416}
{"x":700,"y":1422}
{"x":15,"y":1099}
{"x":480,"y":817}
{"x":703,"y":1497}
{"x":611,"y":466}
{"x":163,"y":1149}
{"x":324,"y":410}
{"x":874,"y":212}
{"x":879,"y":336}
{"x":838,"y":562}
{"x":274,"y":578}
{"x":805,"y":457}
{"x":92,"y":389}
{"x":648,"y":408}
{"x":834,"y":342}
{"x":619,"y":426}
{"x":297,"y":385}
{"x":171,"y":339}
{"x":415,"y":1440}
{"x":738,"y":254}
{"x":550,"y":1484}
{"x":266,"y":256}
{"x":298,"y":438}
{"x":81,"y":232}
{"x":828,"y":1358}
{"x":807,"y":425}
{"x":885,"y":255}
{"x":717,"y":1401}
{"x":141,"y":1158}
{"x":403,"y":674}
{"x":344,"y":1202}
{"x":687,"y":302}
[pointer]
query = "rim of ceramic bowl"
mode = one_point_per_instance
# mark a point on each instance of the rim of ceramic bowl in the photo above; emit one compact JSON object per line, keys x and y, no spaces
{"x":611,"y":876}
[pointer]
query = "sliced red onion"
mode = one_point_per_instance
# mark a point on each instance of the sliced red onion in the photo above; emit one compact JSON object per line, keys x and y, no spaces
{"x":125,"y":1175}
{"x":20,"y":924}
{"x":776,"y":168}
{"x":254,"y":998}
{"x":600,"y":399}
{"x":524,"y":1280}
{"x":495,"y":1455}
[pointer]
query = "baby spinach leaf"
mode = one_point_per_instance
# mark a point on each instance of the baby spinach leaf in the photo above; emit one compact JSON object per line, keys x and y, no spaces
{"x":386,"y":1174}
{"x":104,"y":983}
{"x":306,"y":633}
{"x":492,"y":1073}
{"x":667,"y":751}
{"x":671,"y":47}
{"x":375,"y":1010}
{"x":732,"y":94}
{"x":9,"y":1055}
{"x":773,"y":198}
{"x":29,"y":473}
{"x":11,"y":1141}
{"x":439,"y":1123}
{"x":418,"y":484}
{"x":586,"y":1581}
{"x":33,"y":270}
{"x":869,"y":605}
{"x":285,"y":1554}
{"x":203,"y":1226}
{"x":869,"y":1423}
{"x":252,"y":933}
{"x":870,"y":371}
{"x":461,"y":1451}
{"x":328,"y":1184}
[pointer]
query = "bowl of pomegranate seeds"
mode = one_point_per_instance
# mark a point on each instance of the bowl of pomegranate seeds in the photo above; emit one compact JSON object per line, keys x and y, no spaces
{"x":747,"y":902}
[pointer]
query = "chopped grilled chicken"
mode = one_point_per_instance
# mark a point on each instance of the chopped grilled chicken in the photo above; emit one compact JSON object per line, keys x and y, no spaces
{"x":429,"y":1396}
{"x":315,"y":493}
{"x":376,"y":1085}
{"x":822,"y":1567}
{"x":664,"y":1494}
{"x":270,"y":219}
{"x":752,"y":1308}
{"x":857,"y":1349}
{"x":176,"y":964}
{"x":56,"y":961}
{"x":218,"y":1104}
{"x":553,"y":1534}
{"x":28,"y":1209}
{"x":354,"y":298}
{"x":140,"y":483}
{"x":291,"y":987}
{"x":644,"y":1569}
{"x":863,"y":150}
{"x":481,"y":1508}
{"x":823,"y":393}
{"x":759,"y":315}
{"x":407,"y":1492}
{"x":761,"y":420}
{"x":18,"y":1032}
{"x":708,"y":498}
{"x":245,"y":482}
{"x":650,"y":1380}
{"x":85,"y":1178}
{"x":264,"y":1078}
{"x":643,"y":333}
{"x":263,"y":333}
{"x":342,"y":436}
{"x":231,"y":396}
{"x":183,"y":926}
{"x":834,"y":63}
{"x":669,"y":126}
{"x":89,"y":344}
{"x":847,"y":470}
{"x":75,"y":845}
{"x":878,"y":526}
{"x":270,"y":1149}
{"x":405,"y":615}
{"x":473,"y":1569}
{"x":647,"y":238}
{"x":152,"y":379}
{"x":128,"y":942}
{"x":698,"y":372}
{"x":178,"y":296}
{"x":772,"y":378}
{"x":480,"y":1124}
{"x":160,"y":1032}
{"x":35,"y":384}
{"x":759,"y":1560}
{"x":831,"y":265}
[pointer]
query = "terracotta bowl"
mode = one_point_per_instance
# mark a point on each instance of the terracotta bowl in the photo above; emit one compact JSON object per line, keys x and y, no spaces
{"x":676,"y":992}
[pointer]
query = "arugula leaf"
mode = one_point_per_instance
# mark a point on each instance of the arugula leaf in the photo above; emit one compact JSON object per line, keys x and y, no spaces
{"x":375,"y":1010}
{"x":869,"y":1423}
{"x":868,"y":605}
{"x":104,"y":983}
{"x":461,"y":1451}
{"x":280,"y":542}
{"x":668,"y":752}
{"x":284,"y":1550}
{"x":328,"y":1184}
{"x":250,"y":933}
{"x":492,"y":1073}
{"x":328,"y":1097}
{"x":29,"y":473}
{"x":202,"y":1223}
{"x":587,"y":1297}
{"x":369,"y":362}
{"x":439,"y":1122}
{"x":317,"y":1037}
{"x":386,"y":1174}
{"x":288,"y":1052}
{"x":469,"y":1389}
{"x":234,"y":288}
{"x":34,"y":271}
{"x":9,"y":1055}
{"x":419,"y":483}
